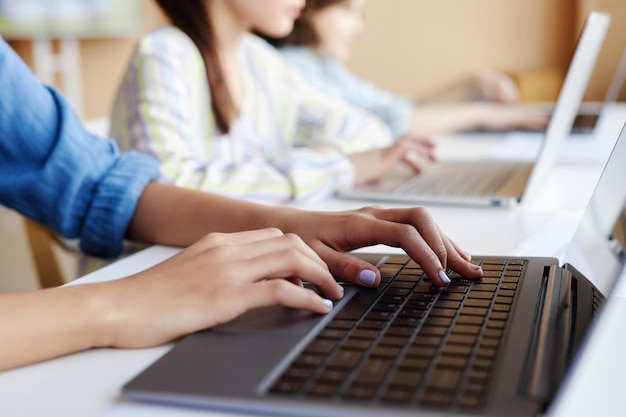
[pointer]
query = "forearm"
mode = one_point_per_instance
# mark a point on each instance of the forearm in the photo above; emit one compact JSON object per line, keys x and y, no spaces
{"x":460,"y":90}
{"x":176,"y":216}
{"x":50,"y":323}
{"x":432,"y":119}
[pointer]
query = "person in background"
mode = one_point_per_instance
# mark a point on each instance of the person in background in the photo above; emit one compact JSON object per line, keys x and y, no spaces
{"x":239,"y":256}
{"x":222,"y":112}
{"x":319,"y":47}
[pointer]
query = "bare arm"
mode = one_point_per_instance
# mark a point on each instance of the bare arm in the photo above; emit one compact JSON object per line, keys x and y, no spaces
{"x":167,"y":301}
{"x":174,"y":216}
{"x":431,"y":119}
{"x":486,"y":84}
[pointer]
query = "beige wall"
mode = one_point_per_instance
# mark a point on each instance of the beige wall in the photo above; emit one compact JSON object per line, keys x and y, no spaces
{"x":614,"y":44}
{"x":414,"y":46}
{"x":420,"y":44}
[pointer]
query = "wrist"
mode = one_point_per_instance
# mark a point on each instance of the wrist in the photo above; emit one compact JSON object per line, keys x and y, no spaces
{"x":283,"y":218}
{"x":99,"y":313}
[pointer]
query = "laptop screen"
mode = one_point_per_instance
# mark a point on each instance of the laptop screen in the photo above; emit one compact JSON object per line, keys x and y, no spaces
{"x":599,"y":245}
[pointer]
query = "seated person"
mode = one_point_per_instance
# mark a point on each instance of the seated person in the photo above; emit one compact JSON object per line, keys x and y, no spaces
{"x":222,"y":112}
{"x":319,"y":47}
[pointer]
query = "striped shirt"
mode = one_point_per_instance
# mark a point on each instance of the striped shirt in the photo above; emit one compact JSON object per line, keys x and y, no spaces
{"x":288,"y":143}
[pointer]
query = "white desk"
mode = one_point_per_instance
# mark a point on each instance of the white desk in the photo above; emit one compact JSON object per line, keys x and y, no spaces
{"x":88,"y":384}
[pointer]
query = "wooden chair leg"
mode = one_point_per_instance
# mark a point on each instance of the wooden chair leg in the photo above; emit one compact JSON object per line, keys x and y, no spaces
{"x":41,"y":245}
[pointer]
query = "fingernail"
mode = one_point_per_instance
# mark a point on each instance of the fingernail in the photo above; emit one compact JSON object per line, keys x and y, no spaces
{"x":367,"y":277}
{"x":444,"y":278}
{"x":341,"y":290}
{"x":475,"y":267}
{"x":327,"y":303}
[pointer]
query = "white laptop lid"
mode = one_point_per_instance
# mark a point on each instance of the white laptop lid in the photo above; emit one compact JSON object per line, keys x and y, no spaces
{"x":570,"y":97}
{"x":617,"y":81}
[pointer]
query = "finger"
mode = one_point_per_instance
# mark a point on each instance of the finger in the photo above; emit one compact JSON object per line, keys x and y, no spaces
{"x":421,"y":149}
{"x":284,"y":293}
{"x":349,"y":268}
{"x":509,"y":92}
{"x":282,"y":242}
{"x":425,"y":227}
{"x":465,"y":255}
{"x":420,"y":140}
{"x":458,"y":261}
{"x":216,"y":239}
{"x":291,"y":263}
{"x":425,"y":142}
{"x":415,"y":158}
{"x":429,"y":234}
{"x":233,"y":301}
{"x":296,"y":281}
{"x":390,"y":229}
{"x":413,"y":162}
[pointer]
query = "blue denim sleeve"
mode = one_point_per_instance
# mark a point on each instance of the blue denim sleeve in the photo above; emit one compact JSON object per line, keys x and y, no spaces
{"x":54,"y":171}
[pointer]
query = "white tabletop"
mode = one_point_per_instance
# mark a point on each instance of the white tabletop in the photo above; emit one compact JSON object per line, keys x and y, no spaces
{"x":88,"y":384}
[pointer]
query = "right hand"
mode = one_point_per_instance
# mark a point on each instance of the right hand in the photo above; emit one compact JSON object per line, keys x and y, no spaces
{"x":212,"y":282}
{"x":409,"y":149}
{"x":334,"y":234}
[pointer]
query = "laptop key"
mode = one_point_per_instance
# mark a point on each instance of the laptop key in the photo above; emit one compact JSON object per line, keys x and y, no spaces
{"x":373,"y":370}
{"x":445,"y":379}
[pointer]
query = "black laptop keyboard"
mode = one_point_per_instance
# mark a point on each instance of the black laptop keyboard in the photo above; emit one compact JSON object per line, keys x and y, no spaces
{"x":415,"y":345}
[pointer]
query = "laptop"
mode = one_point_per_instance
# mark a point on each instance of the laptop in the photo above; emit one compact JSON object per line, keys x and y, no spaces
{"x":589,"y":113}
{"x":498,"y":346}
{"x":491,"y":182}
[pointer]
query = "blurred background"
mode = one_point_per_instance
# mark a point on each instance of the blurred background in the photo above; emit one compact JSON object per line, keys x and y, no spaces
{"x":409,"y":46}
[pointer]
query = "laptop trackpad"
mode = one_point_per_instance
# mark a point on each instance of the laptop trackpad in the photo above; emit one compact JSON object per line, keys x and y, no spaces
{"x":279,"y":319}
{"x":275,"y":319}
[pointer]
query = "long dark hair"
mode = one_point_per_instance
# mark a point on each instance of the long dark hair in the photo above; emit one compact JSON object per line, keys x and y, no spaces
{"x":192,"y":17}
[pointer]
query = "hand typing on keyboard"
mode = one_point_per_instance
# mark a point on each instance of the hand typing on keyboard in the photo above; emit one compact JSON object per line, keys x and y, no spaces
{"x":331,"y":234}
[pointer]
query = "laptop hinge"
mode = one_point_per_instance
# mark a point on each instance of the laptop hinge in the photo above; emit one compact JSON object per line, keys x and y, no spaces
{"x":550,"y":341}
